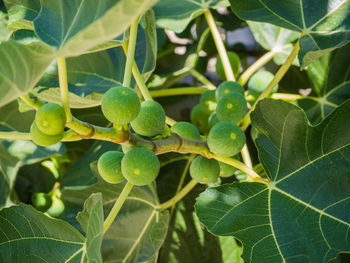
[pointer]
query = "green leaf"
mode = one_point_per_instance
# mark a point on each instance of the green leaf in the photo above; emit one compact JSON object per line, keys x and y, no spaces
{"x":177,"y":15}
{"x":21,"y":68}
{"x":8,"y":170}
{"x":231,"y":251}
{"x":29,"y":236}
{"x":331,"y":81}
{"x":51,"y":240}
{"x":302,"y":215}
{"x":323,"y":29}
{"x":4,"y":32}
{"x":15,"y":120}
{"x":80,"y":25}
{"x":91,"y":75}
{"x":91,"y":220}
{"x":22,"y":13}
{"x":274,"y":38}
{"x":139,"y":229}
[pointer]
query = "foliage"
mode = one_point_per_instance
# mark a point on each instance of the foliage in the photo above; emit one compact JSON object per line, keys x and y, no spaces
{"x":135,"y":131}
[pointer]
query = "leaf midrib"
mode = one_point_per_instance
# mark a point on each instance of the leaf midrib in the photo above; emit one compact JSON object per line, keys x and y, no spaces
{"x":46,"y":238}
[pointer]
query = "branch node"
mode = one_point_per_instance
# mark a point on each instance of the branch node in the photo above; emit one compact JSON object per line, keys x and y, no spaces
{"x":88,"y":136}
{"x":178,"y":137}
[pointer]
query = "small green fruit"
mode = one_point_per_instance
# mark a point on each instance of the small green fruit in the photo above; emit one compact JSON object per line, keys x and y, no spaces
{"x":120,"y":105}
{"x":208,"y":101}
{"x":227,"y":87}
{"x":204,"y":171}
{"x":140,"y":166}
{"x":235,"y":62}
{"x":213,"y":119}
{"x":259,"y":82}
{"x":56,"y":208}
{"x":51,"y":119}
{"x":41,"y":201}
{"x":227,"y":170}
{"x":199,"y":118}
{"x":232,"y":107}
{"x":42,"y":139}
{"x":109,"y":167}
{"x":186,"y":130}
{"x":226,"y":139}
{"x":151,"y":119}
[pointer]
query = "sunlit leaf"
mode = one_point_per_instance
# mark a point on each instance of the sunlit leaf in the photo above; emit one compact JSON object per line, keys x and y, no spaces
{"x":274,"y":38}
{"x":302,"y":215}
{"x":41,"y":238}
{"x":139,"y":229}
{"x":323,"y":29}
{"x":21,"y":68}
{"x":73,"y":27}
{"x":176,"y":15}
{"x":331,"y":83}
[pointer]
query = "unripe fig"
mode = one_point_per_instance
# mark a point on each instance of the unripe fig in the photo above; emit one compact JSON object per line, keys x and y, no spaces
{"x":232,"y":107}
{"x":120,"y":105}
{"x":208,"y":101}
{"x":151,"y":119}
{"x":204,"y":171}
{"x":42,"y":139}
{"x":227,"y":170}
{"x":140,"y":166}
{"x":186,"y":130}
{"x":213,"y":119}
{"x":227,"y":87}
{"x":41,"y":201}
{"x":199,"y":118}
{"x":226,"y":139}
{"x":109,"y":167}
{"x":235,"y":62}
{"x":51,"y":119}
{"x":259,"y":82}
{"x":56,"y":208}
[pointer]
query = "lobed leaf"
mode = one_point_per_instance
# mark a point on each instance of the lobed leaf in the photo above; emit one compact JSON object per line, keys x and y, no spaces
{"x":74,"y":27}
{"x":21,"y":67}
{"x":322,"y":29}
{"x":139,"y":229}
{"x":302,"y":215}
{"x":331,"y":83}
{"x":29,"y":235}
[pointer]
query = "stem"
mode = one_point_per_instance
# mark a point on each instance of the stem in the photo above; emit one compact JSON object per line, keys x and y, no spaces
{"x":182,"y":179}
{"x":169,"y":121}
{"x":287,"y":97}
{"x":176,"y":76}
{"x":35,"y":103}
{"x":117,"y":206}
{"x":62,"y":75}
{"x":279,"y":75}
{"x":246,"y":156}
{"x":235,"y":163}
{"x":130,"y":54}
{"x":15,"y":136}
{"x":141,"y":82}
{"x":202,"y":79}
{"x":178,"y":91}
{"x":178,"y":196}
{"x":219,"y":45}
{"x":181,"y":158}
{"x":255,"y":66}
